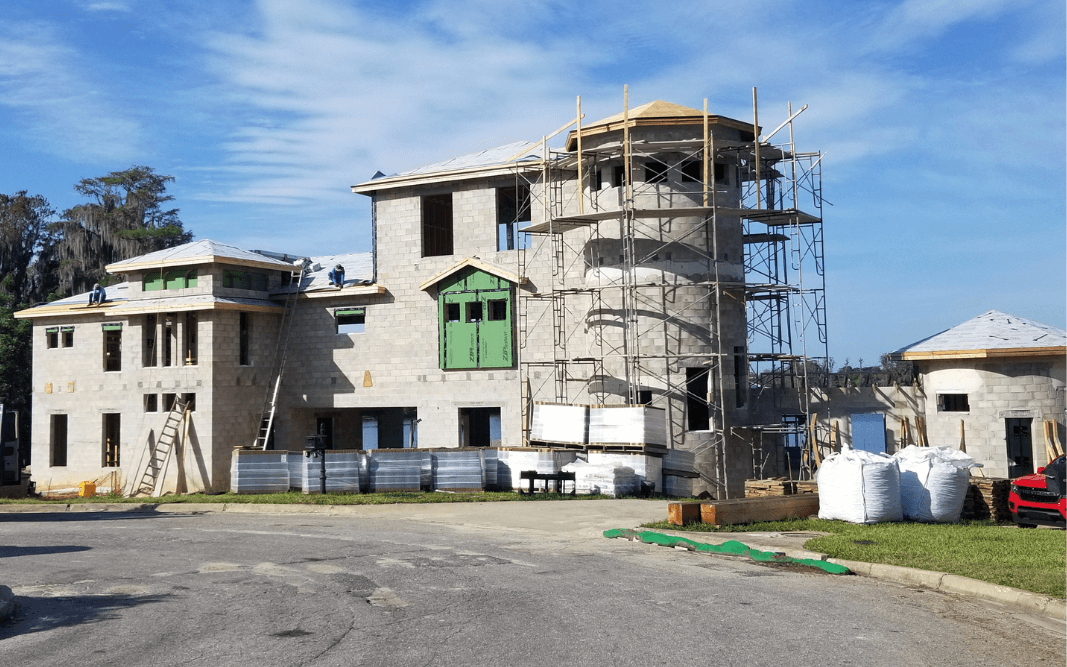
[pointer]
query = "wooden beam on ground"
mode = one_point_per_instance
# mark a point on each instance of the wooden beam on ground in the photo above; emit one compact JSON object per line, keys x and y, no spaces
{"x":751,"y":510}
{"x":680,"y":514}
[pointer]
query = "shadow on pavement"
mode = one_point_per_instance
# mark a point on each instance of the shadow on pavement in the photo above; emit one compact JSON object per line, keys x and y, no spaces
{"x":15,"y":552}
{"x":35,"y":517}
{"x":38,"y":614}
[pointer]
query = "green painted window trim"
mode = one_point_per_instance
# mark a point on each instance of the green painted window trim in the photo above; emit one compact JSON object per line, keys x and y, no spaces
{"x":349,"y":311}
{"x":66,"y":329}
{"x":51,"y":330}
{"x":111,"y":327}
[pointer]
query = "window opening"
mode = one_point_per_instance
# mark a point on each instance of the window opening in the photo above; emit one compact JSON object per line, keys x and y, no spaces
{"x":152,"y":281}
{"x":953,"y":403}
{"x":245,"y":338}
{"x":149,"y":348}
{"x":655,"y":171}
{"x":190,"y":339}
{"x":498,"y":310}
{"x":691,"y":172}
{"x":644,"y":397}
{"x":598,"y":179}
{"x":696,"y":398}
{"x":59,"y":440}
{"x":352,"y":321}
{"x":51,"y":336}
{"x":452,"y":312}
{"x":112,"y":433}
{"x":190,"y":402}
{"x":112,"y":348}
{"x":793,"y":439}
{"x":68,"y":336}
{"x":437,"y":225}
{"x":479,"y":427}
{"x":513,"y":215}
{"x":618,"y":176}
{"x":474,"y":311}
{"x":168,"y":339}
{"x":720,"y":172}
{"x":168,"y":402}
{"x":151,"y":402}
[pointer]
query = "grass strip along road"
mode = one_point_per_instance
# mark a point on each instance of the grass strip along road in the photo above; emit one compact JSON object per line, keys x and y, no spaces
{"x":1031,"y":560}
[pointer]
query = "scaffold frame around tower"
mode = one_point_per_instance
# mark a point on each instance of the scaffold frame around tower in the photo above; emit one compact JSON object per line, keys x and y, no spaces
{"x":632,"y":352}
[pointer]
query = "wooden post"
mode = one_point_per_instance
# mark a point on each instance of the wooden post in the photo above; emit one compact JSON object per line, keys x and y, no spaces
{"x":626,"y":136}
{"x":755,"y":141}
{"x":834,"y":445}
{"x":963,"y":438}
{"x":581,"y":185}
{"x":920,"y":431}
{"x":705,"y":151}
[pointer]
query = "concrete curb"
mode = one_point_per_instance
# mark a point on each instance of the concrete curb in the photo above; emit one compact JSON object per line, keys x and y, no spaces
{"x":957,"y":585}
{"x":7,"y":603}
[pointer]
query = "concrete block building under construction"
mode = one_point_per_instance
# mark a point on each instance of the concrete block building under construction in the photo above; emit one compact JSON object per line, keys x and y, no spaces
{"x":651,"y":261}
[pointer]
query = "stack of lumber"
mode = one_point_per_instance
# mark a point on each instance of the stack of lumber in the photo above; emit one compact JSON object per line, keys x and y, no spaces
{"x":779,"y":486}
{"x":745,"y":510}
{"x":987,"y":498}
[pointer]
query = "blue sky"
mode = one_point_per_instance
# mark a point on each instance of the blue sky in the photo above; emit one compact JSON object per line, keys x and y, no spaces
{"x":942,"y":121}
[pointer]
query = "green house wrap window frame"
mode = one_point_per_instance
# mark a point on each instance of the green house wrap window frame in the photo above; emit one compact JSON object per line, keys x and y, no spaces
{"x":476,"y":321}
{"x":111,"y":327}
{"x":350,"y":320}
{"x":155,"y":281}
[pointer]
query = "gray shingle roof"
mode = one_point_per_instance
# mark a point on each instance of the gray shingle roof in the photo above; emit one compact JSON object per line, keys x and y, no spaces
{"x":991,"y":331}
{"x":197,"y":250}
{"x":359,"y":268}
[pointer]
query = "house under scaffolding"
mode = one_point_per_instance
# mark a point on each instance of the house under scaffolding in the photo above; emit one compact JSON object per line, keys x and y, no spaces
{"x":687,"y":274}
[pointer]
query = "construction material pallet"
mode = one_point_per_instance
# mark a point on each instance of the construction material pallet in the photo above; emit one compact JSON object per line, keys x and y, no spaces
{"x":773,"y":488}
{"x":987,"y":498}
{"x":618,"y":448}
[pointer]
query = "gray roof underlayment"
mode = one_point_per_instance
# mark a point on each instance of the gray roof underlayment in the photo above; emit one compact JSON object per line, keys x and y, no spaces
{"x":502,"y":156}
{"x":359,"y":270}
{"x":990,"y":331}
{"x":198,"y":252}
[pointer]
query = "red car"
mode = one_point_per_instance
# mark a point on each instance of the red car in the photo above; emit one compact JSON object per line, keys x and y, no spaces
{"x":1041,"y":498}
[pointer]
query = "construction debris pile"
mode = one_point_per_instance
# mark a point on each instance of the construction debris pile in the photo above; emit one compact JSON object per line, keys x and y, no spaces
{"x":987,"y":498}
{"x":917,"y":483}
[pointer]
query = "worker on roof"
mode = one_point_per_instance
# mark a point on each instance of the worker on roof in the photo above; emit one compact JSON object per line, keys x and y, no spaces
{"x":337,"y":276}
{"x":98,"y":295}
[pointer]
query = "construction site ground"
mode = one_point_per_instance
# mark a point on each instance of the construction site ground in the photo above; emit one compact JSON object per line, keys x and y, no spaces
{"x":517,"y":583}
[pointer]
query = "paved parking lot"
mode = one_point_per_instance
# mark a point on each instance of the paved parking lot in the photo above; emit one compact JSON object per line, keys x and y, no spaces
{"x":530,"y":583}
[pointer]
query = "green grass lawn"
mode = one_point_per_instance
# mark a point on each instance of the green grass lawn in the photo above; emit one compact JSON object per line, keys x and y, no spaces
{"x":1033,"y":560}
{"x":298,"y":498}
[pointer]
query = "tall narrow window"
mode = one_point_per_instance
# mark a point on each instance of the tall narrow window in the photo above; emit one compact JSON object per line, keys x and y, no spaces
{"x":245,"y":334}
{"x":149,"y":347}
{"x":112,"y":436}
{"x":696,"y":399}
{"x":740,"y":376}
{"x":169,"y":327}
{"x":190,"y":334}
{"x":51,"y":337}
{"x":68,"y":336}
{"x":112,"y":347}
{"x":437,"y":225}
{"x":618,"y":176}
{"x":151,"y":402}
{"x":512,"y":215}
{"x":59,"y":440}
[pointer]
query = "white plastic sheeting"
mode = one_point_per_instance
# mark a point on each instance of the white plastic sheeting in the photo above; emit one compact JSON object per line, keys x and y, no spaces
{"x":345,"y":471}
{"x":399,"y":469}
{"x":565,"y":424}
{"x":627,"y":425}
{"x":608,"y":479}
{"x":859,"y":487}
{"x":458,"y":470}
{"x":511,"y":463}
{"x":933,"y":482}
{"x":258,"y":471}
{"x":681,"y":460}
{"x":648,"y":469}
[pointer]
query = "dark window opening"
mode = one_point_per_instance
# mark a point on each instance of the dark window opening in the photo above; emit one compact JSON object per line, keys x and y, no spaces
{"x":740,"y":376}
{"x":618,"y":176}
{"x":350,"y":321}
{"x":474,"y":311}
{"x":168,"y":339}
{"x":190,"y":402}
{"x":598,"y":179}
{"x":245,"y":335}
{"x":190,"y":339}
{"x":720,"y":172}
{"x":169,"y":401}
{"x":513,"y":214}
{"x":953,"y":403}
{"x":793,"y":438}
{"x":437,"y":225}
{"x":59,"y":440}
{"x":151,"y":403}
{"x":112,"y":434}
{"x":51,"y":337}
{"x":149,"y":349}
{"x":113,"y":348}
{"x":644,"y":397}
{"x":68,"y":336}
{"x":498,"y":310}
{"x":691,"y":172}
{"x":696,"y":399}
{"x":452,"y":312}
{"x":479,"y":427}
{"x":655,"y":171}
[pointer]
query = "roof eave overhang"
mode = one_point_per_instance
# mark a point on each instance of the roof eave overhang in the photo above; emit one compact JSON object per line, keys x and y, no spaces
{"x":394,"y":182}
{"x":127,"y":267}
{"x":992,"y":353}
{"x":333,"y":293}
{"x":474,"y":263}
{"x":67,"y":310}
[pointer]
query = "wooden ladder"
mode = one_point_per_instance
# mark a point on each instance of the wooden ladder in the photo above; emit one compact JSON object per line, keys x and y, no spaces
{"x":164,"y":446}
{"x":281,"y":350}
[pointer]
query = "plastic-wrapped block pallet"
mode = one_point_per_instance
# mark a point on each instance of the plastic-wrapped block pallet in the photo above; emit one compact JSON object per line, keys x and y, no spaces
{"x":678,"y":487}
{"x":648,"y":469}
{"x":606,"y":479}
{"x":399,"y":469}
{"x":512,"y":461}
{"x":258,"y":471}
{"x":458,"y":470}
{"x":627,"y":425}
{"x":345,"y":470}
{"x":296,"y":470}
{"x":859,"y":487}
{"x":933,"y":482}
{"x":490,"y":465}
{"x":562,"y":424}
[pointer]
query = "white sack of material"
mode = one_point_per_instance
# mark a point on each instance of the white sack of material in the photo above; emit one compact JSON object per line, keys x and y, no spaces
{"x":933,"y":482}
{"x":859,"y":487}
{"x":606,"y":479}
{"x":649,"y":469}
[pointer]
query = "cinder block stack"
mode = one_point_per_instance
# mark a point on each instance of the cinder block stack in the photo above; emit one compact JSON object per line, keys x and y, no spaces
{"x":987,"y":498}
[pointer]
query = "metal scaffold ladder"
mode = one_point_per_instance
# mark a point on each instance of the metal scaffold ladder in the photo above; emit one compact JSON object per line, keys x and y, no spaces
{"x":168,"y":436}
{"x":281,"y":351}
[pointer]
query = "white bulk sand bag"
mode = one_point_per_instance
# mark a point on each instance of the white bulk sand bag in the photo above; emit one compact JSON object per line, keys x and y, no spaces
{"x":933,"y":482}
{"x":859,"y":487}
{"x":606,"y":479}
